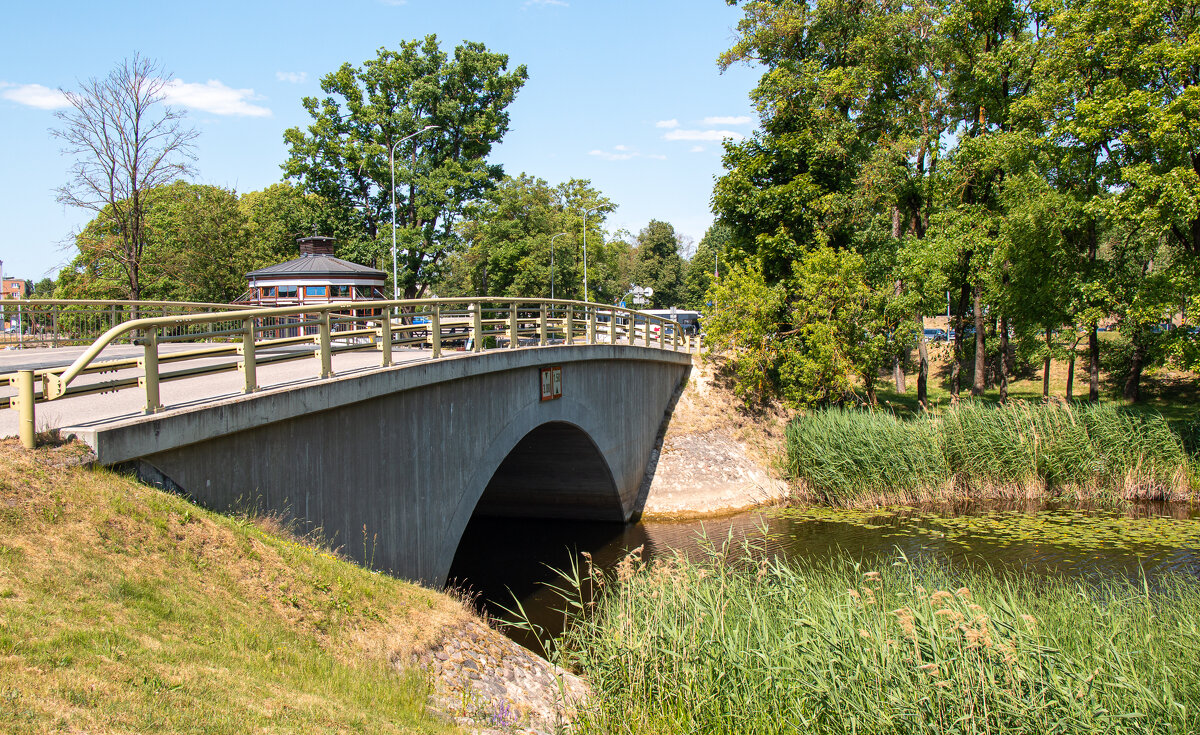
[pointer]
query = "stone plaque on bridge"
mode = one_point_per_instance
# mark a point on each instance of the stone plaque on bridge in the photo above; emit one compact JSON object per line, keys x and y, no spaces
{"x":551,"y":382}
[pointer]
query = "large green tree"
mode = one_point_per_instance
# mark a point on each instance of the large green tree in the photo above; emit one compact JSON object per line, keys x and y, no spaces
{"x":513,"y":235}
{"x":194,"y":249}
{"x":345,"y":155}
{"x":658,"y":264}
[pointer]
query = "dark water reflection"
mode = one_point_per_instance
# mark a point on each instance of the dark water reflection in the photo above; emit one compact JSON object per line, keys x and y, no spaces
{"x":500,"y":559}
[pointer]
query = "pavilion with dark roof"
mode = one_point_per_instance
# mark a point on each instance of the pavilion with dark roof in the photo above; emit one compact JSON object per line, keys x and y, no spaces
{"x":316,"y":277}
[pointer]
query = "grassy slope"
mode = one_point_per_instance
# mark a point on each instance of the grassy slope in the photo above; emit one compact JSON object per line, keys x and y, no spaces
{"x":124,"y":609}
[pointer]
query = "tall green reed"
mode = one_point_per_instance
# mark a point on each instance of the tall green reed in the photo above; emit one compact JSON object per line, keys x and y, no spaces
{"x":734,"y":645}
{"x":845,"y":456}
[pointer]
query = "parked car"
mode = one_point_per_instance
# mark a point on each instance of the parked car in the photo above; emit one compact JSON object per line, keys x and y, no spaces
{"x":935,"y":335}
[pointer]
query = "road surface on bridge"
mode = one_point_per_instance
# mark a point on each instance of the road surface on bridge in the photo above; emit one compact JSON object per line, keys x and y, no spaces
{"x":93,"y":410}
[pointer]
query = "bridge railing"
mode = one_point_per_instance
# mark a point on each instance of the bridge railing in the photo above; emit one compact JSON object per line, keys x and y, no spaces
{"x":32,"y":323}
{"x":245,"y":339}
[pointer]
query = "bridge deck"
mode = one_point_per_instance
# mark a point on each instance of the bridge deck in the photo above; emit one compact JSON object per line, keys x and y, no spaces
{"x":94,"y":410}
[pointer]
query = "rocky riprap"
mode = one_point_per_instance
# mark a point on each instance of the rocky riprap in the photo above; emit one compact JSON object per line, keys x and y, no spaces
{"x":489,"y":684}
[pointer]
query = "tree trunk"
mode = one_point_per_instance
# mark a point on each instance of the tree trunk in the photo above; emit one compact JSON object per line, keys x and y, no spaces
{"x":923,"y":371}
{"x":956,"y":366}
{"x":1046,"y":365}
{"x":1093,"y":365}
{"x":898,"y":374}
{"x":1071,"y":368}
{"x":1133,"y":383}
{"x":980,"y":355}
{"x":1003,"y":359}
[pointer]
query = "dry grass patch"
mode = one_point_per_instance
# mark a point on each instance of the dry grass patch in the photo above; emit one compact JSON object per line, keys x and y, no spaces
{"x":125,"y":609}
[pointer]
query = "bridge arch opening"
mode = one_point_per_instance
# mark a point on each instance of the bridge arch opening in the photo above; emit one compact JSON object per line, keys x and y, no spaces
{"x":552,"y":497}
{"x":554,"y":471}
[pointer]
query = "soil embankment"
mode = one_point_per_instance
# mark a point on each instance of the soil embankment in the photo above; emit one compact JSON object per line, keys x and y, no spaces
{"x":712,"y":459}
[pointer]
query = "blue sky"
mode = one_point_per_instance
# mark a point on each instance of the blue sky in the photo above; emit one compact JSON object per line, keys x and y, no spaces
{"x":624,"y":93}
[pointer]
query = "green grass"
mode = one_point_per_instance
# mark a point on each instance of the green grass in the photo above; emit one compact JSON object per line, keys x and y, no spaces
{"x":124,"y":609}
{"x":974,"y":449}
{"x":722,"y":646}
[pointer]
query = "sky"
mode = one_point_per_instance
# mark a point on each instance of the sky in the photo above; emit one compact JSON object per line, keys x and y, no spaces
{"x":626,"y":94}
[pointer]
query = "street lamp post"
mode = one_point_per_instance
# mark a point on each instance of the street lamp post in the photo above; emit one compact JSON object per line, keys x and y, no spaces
{"x":552,"y":262}
{"x":586,"y":212}
{"x":392,"y":159}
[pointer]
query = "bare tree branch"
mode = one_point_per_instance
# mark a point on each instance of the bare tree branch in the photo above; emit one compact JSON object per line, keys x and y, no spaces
{"x":125,"y":143}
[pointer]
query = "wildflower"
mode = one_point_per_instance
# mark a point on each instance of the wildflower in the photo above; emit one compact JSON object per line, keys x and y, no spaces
{"x":872,"y":577}
{"x":953,"y":615}
{"x":868,"y":596}
{"x":963,"y":592}
{"x":1030,"y":622}
{"x":854,"y":594}
{"x":931,"y":669}
{"x":864,"y":633}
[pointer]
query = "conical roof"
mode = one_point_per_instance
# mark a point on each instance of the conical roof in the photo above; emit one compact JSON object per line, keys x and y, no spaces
{"x":318,"y":265}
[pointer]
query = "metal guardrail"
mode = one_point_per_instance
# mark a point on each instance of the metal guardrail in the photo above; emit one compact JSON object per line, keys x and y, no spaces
{"x":474,"y":324}
{"x":31,"y":323}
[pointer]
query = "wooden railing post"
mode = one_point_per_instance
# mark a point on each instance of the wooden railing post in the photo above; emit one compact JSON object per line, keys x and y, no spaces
{"x":569,"y":325}
{"x":325,"y":351}
{"x":514,"y":333}
{"x":25,"y":402}
{"x":249,"y":364}
{"x":477,"y":326}
{"x":435,"y":330}
{"x":385,"y":337}
{"x":543,"y":334}
{"x":149,"y":366}
{"x":591,"y":325}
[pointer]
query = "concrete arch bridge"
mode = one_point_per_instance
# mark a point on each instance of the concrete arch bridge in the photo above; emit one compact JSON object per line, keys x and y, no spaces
{"x":400,"y":422}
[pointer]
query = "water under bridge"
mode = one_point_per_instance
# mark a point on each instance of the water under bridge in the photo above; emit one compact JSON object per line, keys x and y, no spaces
{"x":386,"y":426}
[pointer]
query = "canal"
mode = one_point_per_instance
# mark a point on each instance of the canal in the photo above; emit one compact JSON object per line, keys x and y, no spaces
{"x":505,"y":561}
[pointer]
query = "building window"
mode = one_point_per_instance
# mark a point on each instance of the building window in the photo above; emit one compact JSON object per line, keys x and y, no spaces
{"x":340,"y":292}
{"x":268,"y":292}
{"x":287,"y":292}
{"x":362,"y":292}
{"x":314,"y":290}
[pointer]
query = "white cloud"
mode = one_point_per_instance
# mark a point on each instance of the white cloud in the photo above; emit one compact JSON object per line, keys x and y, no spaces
{"x":292,"y":77}
{"x":738,"y":120}
{"x":214,"y":97}
{"x":672,"y":123}
{"x":698,"y":149}
{"x":33,"y":95}
{"x":620,"y":147}
{"x":706,"y":135}
{"x":610,"y":156}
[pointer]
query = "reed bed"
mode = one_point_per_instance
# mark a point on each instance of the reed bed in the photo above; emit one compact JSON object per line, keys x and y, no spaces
{"x":741,"y":646}
{"x":849,"y":456}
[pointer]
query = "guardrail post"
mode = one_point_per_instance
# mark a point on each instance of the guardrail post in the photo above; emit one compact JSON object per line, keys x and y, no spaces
{"x":569,"y":325}
{"x":25,"y":426}
{"x":514,"y":331}
{"x":543,"y":335}
{"x":249,"y":365}
{"x":54,"y":324}
{"x":591,"y":326}
{"x":477,"y":327}
{"x":385,"y":337}
{"x":149,"y":366}
{"x":435,"y":330}
{"x":326,"y":348}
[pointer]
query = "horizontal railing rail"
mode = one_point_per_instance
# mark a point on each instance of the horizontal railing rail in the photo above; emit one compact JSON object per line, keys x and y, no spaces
{"x":255,"y":337}
{"x":31,"y":323}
